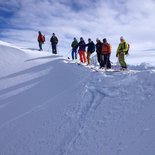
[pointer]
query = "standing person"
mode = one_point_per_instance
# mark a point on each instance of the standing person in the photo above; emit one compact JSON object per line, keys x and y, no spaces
{"x":41,"y":40}
{"x":121,"y":50}
{"x":82,"y":47}
{"x":74,"y":46}
{"x":54,"y":42}
{"x":90,"y":50}
{"x":106,"y":51}
{"x":98,"y":50}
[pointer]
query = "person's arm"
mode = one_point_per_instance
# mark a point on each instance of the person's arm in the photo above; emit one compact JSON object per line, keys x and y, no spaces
{"x":51,"y":40}
{"x":56,"y":40}
{"x":72,"y":44}
{"x":38,"y":38}
{"x":118,"y":50}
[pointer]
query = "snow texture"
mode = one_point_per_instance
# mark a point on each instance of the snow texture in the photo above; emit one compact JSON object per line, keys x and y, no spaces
{"x":49,"y":105}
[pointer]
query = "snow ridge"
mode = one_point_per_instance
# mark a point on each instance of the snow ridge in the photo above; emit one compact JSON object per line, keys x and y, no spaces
{"x":51,"y":107}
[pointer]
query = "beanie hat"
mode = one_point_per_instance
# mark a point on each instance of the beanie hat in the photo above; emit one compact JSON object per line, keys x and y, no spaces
{"x":104,"y":40}
{"x":122,"y":38}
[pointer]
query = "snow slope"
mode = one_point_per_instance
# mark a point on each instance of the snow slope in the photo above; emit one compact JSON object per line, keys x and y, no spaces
{"x":49,"y":107}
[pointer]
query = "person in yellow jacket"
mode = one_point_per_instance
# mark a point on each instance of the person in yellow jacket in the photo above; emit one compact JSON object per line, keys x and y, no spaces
{"x":121,"y":50}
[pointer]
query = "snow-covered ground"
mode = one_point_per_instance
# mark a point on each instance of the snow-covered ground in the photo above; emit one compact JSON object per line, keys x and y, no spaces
{"x":51,"y":107}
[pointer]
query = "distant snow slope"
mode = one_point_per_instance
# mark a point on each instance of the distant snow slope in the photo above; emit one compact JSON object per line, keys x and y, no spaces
{"x":48,"y":107}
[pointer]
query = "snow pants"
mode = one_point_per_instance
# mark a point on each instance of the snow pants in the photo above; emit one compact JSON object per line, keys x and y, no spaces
{"x":54,"y":48}
{"x":105,"y":62}
{"x":121,"y":58}
{"x":40,"y":46}
{"x":82,"y":56}
{"x":99,"y":58}
{"x":88,"y":57}
{"x":74,"y":54}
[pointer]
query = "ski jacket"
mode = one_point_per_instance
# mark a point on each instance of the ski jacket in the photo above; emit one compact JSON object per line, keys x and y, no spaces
{"x":122,"y":48}
{"x":82,"y":45}
{"x":99,"y":47}
{"x":54,"y":40}
{"x":106,"y":48}
{"x":74,"y":44}
{"x":41,"y":38}
{"x":91,"y":47}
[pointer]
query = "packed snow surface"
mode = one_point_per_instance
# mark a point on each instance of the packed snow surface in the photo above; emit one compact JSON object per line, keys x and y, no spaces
{"x":51,"y":106}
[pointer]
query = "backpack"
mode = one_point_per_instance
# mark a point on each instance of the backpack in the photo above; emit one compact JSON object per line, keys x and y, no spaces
{"x":43,"y":38}
{"x":127,"y":51}
{"x":106,"y":48}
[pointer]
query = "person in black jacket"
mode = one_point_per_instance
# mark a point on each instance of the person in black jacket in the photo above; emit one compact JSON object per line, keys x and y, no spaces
{"x":90,"y":50}
{"x":98,"y":50}
{"x":54,"y":42}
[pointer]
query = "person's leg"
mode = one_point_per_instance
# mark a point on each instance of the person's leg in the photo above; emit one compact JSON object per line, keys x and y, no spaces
{"x":122,"y":61}
{"x":102,"y":61}
{"x":98,"y":57}
{"x":105,"y":61}
{"x":88,"y":57}
{"x":81,"y":57}
{"x":84,"y":56}
{"x":75,"y":53}
{"x":108,"y":61}
{"x":40,"y":46}
{"x":72,"y":54}
{"x":53,"y":49}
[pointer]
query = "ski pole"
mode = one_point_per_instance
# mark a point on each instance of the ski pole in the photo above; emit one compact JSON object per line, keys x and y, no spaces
{"x":66,"y":55}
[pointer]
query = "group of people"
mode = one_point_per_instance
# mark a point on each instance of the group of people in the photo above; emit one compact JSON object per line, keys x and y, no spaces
{"x":103,"y":50}
{"x":53,"y":40}
{"x":81,"y":47}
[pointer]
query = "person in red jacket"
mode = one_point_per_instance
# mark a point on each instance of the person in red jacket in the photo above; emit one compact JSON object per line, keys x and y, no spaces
{"x":105,"y":52}
{"x":41,"y":40}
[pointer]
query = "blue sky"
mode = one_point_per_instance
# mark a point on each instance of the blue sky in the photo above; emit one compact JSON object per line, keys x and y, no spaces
{"x":20,"y":21}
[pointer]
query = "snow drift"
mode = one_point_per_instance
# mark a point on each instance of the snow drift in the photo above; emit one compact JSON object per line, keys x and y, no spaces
{"x":48,"y":107}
